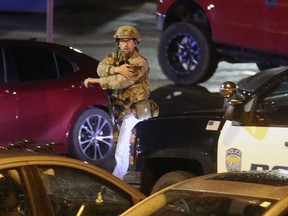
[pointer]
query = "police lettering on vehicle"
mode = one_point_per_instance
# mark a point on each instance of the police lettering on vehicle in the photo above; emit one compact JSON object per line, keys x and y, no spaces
{"x":266,"y":167}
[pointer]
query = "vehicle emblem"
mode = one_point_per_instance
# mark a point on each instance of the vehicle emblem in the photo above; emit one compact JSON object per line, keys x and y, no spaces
{"x":233,"y":159}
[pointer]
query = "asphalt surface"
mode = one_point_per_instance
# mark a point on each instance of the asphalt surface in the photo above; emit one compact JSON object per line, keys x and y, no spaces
{"x":89,"y":25}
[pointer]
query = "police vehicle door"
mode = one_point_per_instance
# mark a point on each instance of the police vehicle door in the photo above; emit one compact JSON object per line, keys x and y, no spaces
{"x":263,"y":143}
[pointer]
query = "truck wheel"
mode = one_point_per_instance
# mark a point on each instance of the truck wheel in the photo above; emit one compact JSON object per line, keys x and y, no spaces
{"x":170,"y":179}
{"x":266,"y":65}
{"x":186,"y":55}
{"x":92,"y":137}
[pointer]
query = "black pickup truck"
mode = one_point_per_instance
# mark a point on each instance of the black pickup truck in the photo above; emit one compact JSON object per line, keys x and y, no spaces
{"x":249,"y":133}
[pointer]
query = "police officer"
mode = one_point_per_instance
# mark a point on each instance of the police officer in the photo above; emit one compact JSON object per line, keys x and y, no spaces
{"x":125,"y":73}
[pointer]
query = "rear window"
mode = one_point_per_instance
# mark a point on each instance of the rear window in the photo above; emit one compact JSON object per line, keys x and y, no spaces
{"x":65,"y":67}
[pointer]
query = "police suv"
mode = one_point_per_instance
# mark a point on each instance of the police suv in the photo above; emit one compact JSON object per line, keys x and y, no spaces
{"x":249,"y":133}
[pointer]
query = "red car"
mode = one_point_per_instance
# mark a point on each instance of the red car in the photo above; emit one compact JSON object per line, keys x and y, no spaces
{"x":43,"y":99}
{"x":197,"y":34}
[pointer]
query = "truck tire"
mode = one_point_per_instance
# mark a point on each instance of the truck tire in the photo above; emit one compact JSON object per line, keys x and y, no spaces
{"x":266,"y":65}
{"x":170,"y":179}
{"x":92,"y":137}
{"x":186,"y":55}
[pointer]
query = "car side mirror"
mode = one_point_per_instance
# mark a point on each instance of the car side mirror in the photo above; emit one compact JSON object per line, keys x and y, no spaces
{"x":227,"y":89}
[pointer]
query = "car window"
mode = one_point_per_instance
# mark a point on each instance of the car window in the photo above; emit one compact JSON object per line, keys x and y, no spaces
{"x":13,"y":199}
{"x":272,"y":108}
{"x":29,"y":64}
{"x":65,"y":67}
{"x":184,"y":203}
{"x":74,"y":192}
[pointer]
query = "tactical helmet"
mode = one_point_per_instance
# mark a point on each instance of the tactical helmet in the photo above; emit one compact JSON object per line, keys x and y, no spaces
{"x":127,"y":32}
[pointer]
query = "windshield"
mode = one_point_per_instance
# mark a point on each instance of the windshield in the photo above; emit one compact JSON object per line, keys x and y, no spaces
{"x":182,"y":203}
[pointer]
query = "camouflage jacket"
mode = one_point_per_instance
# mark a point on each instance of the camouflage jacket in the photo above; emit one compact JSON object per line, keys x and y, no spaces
{"x":125,"y":90}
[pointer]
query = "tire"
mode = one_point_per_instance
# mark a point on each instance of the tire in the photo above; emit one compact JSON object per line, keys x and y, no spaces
{"x":265,"y":66}
{"x":169,"y":179}
{"x":92,"y":137}
{"x":186,"y":56}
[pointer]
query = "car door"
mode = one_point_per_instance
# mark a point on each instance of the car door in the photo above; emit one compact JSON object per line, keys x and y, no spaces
{"x":29,"y":71}
{"x":263,"y":143}
{"x":246,"y":23}
{"x":8,"y":113}
{"x":9,"y":105}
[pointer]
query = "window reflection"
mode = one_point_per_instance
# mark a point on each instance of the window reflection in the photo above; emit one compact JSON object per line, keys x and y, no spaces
{"x":73,"y":192}
{"x":13,"y":200}
{"x":272,"y":108}
{"x":182,"y":203}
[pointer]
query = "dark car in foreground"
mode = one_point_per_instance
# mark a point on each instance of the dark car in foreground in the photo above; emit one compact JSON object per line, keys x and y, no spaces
{"x":252,"y":193}
{"x":33,"y":184}
{"x":249,"y":133}
{"x":43,"y":99}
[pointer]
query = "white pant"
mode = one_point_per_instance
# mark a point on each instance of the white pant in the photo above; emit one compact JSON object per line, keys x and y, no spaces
{"x":123,"y":146}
